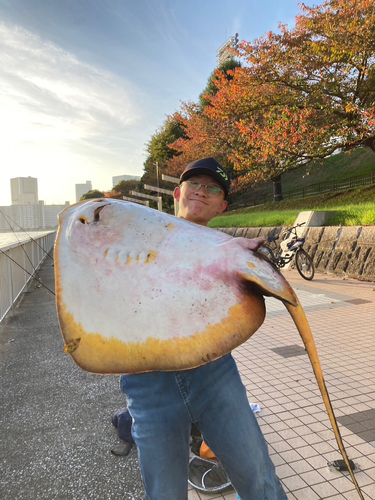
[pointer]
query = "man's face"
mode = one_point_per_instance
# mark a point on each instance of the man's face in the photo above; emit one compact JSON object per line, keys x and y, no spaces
{"x":195,"y":204}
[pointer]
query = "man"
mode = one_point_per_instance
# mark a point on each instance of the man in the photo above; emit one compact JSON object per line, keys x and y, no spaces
{"x":163,"y":405}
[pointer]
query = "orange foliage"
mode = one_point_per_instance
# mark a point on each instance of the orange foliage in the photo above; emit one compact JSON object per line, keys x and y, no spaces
{"x":301,"y":94}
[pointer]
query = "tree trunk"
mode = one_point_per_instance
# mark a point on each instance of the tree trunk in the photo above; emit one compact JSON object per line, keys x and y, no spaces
{"x":277,"y":189}
{"x":370,"y":143}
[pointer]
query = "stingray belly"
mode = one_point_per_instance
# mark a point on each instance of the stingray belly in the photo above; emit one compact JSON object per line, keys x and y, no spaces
{"x":98,"y":354}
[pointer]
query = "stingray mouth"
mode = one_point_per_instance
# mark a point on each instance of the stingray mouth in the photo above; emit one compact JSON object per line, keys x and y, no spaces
{"x":96,"y":218}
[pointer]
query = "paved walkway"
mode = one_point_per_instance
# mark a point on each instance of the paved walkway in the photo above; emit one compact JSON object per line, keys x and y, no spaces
{"x":55,"y":419}
{"x":278,"y":376}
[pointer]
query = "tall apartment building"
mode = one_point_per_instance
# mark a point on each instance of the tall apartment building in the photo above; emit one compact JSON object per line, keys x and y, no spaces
{"x":26,"y":211}
{"x":82,"y":189}
{"x":223,"y":52}
{"x":24,"y":191}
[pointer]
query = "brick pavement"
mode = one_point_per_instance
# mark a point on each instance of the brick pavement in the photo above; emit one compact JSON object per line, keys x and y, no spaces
{"x":341,"y":314}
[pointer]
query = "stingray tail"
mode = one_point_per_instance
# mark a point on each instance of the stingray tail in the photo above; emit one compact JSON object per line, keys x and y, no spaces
{"x":303,"y":327}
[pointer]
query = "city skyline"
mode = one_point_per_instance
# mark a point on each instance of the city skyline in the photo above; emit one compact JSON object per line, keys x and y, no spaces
{"x":27,"y":211}
{"x":84,"y":85}
{"x":24,"y":190}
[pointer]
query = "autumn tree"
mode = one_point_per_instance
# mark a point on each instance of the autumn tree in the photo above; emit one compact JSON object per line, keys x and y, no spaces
{"x":302,"y":94}
{"x":225,"y":69}
{"x":204,"y":136}
{"x":221,"y":129}
{"x":325,"y":69}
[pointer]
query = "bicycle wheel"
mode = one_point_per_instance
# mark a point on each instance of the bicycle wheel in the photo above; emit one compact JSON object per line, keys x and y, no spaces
{"x":304,"y":265}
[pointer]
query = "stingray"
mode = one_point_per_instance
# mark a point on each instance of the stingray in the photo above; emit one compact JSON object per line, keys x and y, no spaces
{"x":139,"y":290}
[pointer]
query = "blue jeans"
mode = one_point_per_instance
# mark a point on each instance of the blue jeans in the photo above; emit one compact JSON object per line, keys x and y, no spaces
{"x":164,"y":404}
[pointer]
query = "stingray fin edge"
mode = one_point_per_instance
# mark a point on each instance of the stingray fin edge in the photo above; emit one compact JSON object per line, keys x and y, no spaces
{"x":284,"y":293}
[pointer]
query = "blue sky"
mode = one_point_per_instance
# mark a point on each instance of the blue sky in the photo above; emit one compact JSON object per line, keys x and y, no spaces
{"x":85,"y":83}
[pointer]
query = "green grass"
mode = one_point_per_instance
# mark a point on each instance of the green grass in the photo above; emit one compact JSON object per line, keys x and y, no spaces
{"x":354,"y":215}
{"x":264,"y":219}
{"x":354,"y":207}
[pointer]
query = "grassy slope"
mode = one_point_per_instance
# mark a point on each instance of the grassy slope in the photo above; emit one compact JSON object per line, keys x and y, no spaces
{"x":353,"y":207}
{"x":357,"y":162}
{"x":341,"y":166}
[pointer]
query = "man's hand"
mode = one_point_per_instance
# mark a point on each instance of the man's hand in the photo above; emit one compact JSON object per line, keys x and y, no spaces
{"x":251,"y":244}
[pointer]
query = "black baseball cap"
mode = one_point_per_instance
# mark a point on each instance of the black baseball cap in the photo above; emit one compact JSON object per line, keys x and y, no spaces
{"x":208,"y":166}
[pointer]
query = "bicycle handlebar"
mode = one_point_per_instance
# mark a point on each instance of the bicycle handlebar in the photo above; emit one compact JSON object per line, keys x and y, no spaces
{"x":294,"y":227}
{"x":297,"y":225}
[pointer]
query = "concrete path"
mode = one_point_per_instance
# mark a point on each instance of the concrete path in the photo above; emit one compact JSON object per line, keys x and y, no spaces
{"x":56,"y":431}
{"x":55,"y":424}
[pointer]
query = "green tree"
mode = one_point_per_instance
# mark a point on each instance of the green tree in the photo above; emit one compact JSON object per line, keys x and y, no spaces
{"x":94,"y":193}
{"x":123,"y":188}
{"x":158,"y":149}
{"x":159,"y":152}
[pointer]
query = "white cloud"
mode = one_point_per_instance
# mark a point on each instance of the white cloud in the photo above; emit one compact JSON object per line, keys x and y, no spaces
{"x":57,"y":111}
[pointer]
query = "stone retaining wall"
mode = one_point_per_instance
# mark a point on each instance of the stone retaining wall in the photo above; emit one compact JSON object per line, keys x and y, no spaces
{"x":343,"y":251}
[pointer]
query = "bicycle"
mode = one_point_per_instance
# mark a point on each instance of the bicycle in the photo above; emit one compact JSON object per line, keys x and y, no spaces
{"x":293,"y":250}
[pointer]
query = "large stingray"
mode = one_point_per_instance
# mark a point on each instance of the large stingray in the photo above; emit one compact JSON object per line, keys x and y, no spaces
{"x":139,"y":290}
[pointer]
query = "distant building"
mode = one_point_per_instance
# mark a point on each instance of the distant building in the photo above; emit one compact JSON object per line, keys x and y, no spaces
{"x":26,"y":211}
{"x":24,"y":191}
{"x":15,"y":216}
{"x":82,"y":189}
{"x":49,"y":214}
{"x":118,"y":178}
{"x":30,"y":217}
{"x":223,"y":52}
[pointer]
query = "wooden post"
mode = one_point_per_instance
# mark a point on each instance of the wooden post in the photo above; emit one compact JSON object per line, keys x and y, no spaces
{"x":158,"y":199}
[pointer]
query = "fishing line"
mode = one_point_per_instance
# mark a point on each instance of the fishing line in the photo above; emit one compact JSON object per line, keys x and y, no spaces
{"x":37,"y":278}
{"x":26,"y":271}
{"x":22,"y":229}
{"x":23,"y":248}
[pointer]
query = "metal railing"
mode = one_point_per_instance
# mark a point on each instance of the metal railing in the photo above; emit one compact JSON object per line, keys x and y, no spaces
{"x":261,"y":198}
{"x":331,"y":186}
{"x":17,"y":262}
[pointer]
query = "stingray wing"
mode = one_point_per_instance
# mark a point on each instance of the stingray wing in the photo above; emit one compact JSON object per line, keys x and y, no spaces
{"x":132,"y":297}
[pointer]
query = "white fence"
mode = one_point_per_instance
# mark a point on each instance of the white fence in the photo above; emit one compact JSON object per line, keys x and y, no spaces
{"x":17,"y":262}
